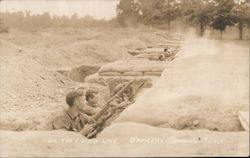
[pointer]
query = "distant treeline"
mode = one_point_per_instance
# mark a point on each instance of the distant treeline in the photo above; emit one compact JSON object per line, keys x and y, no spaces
{"x":202,"y":14}
{"x":215,"y":15}
{"x":26,"y":21}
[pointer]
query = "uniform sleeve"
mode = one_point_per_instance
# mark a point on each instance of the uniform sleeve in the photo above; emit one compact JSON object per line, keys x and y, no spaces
{"x":90,"y":110}
{"x":84,"y":118}
{"x":60,"y":123}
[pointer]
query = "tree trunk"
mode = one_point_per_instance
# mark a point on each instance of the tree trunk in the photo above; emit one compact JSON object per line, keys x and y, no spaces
{"x":202,"y":29}
{"x":240,"y":30}
{"x":169,"y":25}
{"x":249,"y":33}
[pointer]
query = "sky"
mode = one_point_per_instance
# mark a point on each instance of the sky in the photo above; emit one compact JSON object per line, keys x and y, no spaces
{"x":99,"y":9}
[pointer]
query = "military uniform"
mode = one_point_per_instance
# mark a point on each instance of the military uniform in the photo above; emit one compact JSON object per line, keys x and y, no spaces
{"x":90,"y":110}
{"x":70,"y":121}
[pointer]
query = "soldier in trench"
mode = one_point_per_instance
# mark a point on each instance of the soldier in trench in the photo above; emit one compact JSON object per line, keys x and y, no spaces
{"x":91,"y":106}
{"x":116,"y":106}
{"x":73,"y":119}
{"x":79,"y":117}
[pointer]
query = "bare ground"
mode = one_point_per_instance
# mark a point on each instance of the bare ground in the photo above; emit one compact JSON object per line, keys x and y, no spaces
{"x":204,"y":88}
{"x":126,"y":140}
{"x":30,"y":82}
{"x":208,"y":78}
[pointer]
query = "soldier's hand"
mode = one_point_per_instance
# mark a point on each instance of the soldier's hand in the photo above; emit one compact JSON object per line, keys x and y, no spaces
{"x":131,"y":102}
{"x":88,"y":118}
{"x":87,"y":129}
{"x":91,"y":120}
{"x":125,"y":97}
{"x":90,"y":135}
{"x":125,"y":104}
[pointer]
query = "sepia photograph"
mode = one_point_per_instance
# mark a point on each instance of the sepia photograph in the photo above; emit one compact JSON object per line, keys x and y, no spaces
{"x":124,"y":78}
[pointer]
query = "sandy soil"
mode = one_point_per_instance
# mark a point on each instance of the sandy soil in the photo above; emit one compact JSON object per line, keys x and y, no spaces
{"x":204,"y":88}
{"x":207,"y":83}
{"x":30,"y":63}
{"x":125,"y":139}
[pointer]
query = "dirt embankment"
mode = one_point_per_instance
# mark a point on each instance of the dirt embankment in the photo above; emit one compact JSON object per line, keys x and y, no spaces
{"x":201,"y":90}
{"x":204,"y":88}
{"x":33,"y":66}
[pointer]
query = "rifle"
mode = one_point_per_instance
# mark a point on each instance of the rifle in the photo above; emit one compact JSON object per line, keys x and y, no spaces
{"x":106,"y":106}
{"x":117,"y":111}
{"x":97,"y":117}
{"x":137,"y":90}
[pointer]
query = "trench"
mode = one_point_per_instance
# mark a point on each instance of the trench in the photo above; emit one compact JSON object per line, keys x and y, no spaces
{"x":106,"y":85}
{"x":191,"y":122}
{"x":87,"y":74}
{"x":78,"y":74}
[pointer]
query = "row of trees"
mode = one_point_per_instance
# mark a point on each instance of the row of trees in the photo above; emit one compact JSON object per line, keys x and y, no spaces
{"x":27,"y":21}
{"x":217,"y":14}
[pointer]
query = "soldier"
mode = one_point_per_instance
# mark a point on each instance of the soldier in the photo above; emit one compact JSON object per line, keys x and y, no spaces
{"x":91,"y":107}
{"x":162,"y":57}
{"x":111,"y":110}
{"x":72,"y":119}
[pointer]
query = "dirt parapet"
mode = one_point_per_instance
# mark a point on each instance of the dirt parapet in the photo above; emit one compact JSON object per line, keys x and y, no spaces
{"x":80,"y":73}
{"x":198,"y":92}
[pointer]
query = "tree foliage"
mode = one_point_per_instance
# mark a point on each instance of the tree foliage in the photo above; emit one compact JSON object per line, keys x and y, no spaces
{"x":160,"y":12}
{"x":30,"y":22}
{"x":223,"y":15}
{"x":148,"y":12}
{"x":217,"y":14}
{"x":242,"y":12}
{"x":198,"y":13}
{"x":127,"y":12}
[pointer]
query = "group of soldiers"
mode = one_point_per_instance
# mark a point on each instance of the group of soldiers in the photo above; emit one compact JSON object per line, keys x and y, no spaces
{"x":86,"y":116}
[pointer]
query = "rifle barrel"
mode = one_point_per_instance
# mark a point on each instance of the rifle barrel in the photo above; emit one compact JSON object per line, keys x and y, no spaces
{"x":106,"y":105}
